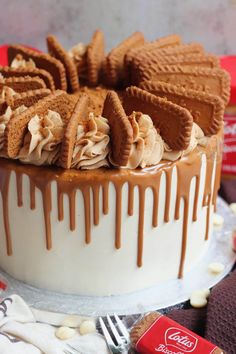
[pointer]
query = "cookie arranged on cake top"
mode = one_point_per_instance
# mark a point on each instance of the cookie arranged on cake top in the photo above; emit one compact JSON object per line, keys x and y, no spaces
{"x":125,"y":143}
{"x":120,"y":105}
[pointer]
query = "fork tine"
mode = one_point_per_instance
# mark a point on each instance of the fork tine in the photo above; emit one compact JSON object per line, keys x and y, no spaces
{"x":122,"y":328}
{"x":74,"y":350}
{"x":114,"y":331}
{"x":105,"y":332}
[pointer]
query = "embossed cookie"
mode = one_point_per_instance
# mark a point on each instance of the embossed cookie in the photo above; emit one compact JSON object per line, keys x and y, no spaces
{"x":213,"y":81}
{"x":95,"y":57}
{"x":28,"y":98}
{"x":121,"y":130}
{"x":207,"y":110}
{"x":200,"y":60}
{"x":59,"y":101}
{"x":174,"y":122}
{"x":79,"y":114}
{"x":142,"y":326}
{"x":23,"y":84}
{"x":114,"y":64}
{"x":168,"y":41}
{"x":138,"y":66}
{"x":155,"y":49}
{"x":42,"y":61}
{"x":44,"y":75}
{"x":58,"y":52}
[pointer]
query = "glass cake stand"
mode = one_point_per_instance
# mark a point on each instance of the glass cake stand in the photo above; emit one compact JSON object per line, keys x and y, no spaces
{"x":169,"y":293}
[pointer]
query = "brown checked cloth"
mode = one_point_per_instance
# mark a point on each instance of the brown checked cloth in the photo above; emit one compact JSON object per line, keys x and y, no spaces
{"x":216,"y":322}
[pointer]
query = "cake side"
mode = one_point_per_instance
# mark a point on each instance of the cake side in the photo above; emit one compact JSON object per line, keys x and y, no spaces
{"x":122,"y":223}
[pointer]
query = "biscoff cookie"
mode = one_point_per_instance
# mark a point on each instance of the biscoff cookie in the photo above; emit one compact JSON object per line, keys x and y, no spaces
{"x":138,"y":67}
{"x":58,"y":101}
{"x":155,"y":49}
{"x":201,"y":60}
{"x":187,"y":60}
{"x":23,"y":84}
{"x":114,"y":63}
{"x":155,"y":332}
{"x":56,"y":50}
{"x":28,"y":98}
{"x":95,"y":57}
{"x":142,"y":326}
{"x":213,"y":81}
{"x":96,"y":95}
{"x":207,"y":110}
{"x":121,"y":130}
{"x":79,"y":114}
{"x":42,"y":61}
{"x":174,"y":122}
{"x":163,"y":42}
{"x":44,"y":75}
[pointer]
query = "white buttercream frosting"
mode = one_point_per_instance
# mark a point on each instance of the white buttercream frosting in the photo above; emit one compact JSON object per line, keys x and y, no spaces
{"x":92,"y":144}
{"x":78,"y":51}
{"x":20,"y":62}
{"x":4,"y":119}
{"x":147,"y":147}
{"x":42,"y":141}
{"x":7,"y":91}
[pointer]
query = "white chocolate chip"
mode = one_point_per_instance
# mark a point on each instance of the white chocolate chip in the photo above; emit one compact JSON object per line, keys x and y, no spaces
{"x":65,"y":333}
{"x":87,"y":326}
{"x":201,"y":293}
{"x":198,"y":302}
{"x":72,"y":321}
{"x":198,"y":298}
{"x":216,"y":268}
{"x":218,"y":220}
{"x":233,"y":207}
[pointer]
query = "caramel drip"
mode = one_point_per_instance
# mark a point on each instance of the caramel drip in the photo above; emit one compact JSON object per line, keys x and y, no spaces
{"x":19,"y":189}
{"x":196,"y":197}
{"x":41,"y":181}
{"x":4,"y":188}
{"x":168,"y":194}
{"x":72,"y":195}
{"x":87,"y":213}
{"x":141,"y":225}
{"x":193,"y":164}
{"x":32,"y":195}
{"x":217,"y":182}
{"x":207,"y":197}
{"x":131,"y":200}
{"x":69,"y":181}
{"x":47,"y":207}
{"x":60,"y":205}
{"x":118,"y":215}
{"x":95,"y":204}
{"x":184,"y":237}
{"x":105,"y":207}
{"x":208,"y":217}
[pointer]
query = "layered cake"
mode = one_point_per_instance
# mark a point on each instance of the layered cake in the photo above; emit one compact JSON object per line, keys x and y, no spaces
{"x":110,"y":164}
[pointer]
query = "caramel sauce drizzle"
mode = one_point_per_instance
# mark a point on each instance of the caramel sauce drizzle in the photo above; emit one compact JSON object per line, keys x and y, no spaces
{"x":4,"y":188}
{"x":19,"y":189}
{"x":91,"y":183}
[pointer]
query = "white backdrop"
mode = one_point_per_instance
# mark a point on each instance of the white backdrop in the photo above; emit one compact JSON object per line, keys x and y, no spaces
{"x":212,"y":22}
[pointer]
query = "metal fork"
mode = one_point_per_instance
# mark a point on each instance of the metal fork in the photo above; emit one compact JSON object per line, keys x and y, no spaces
{"x":71,"y":350}
{"x":122,"y":340}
